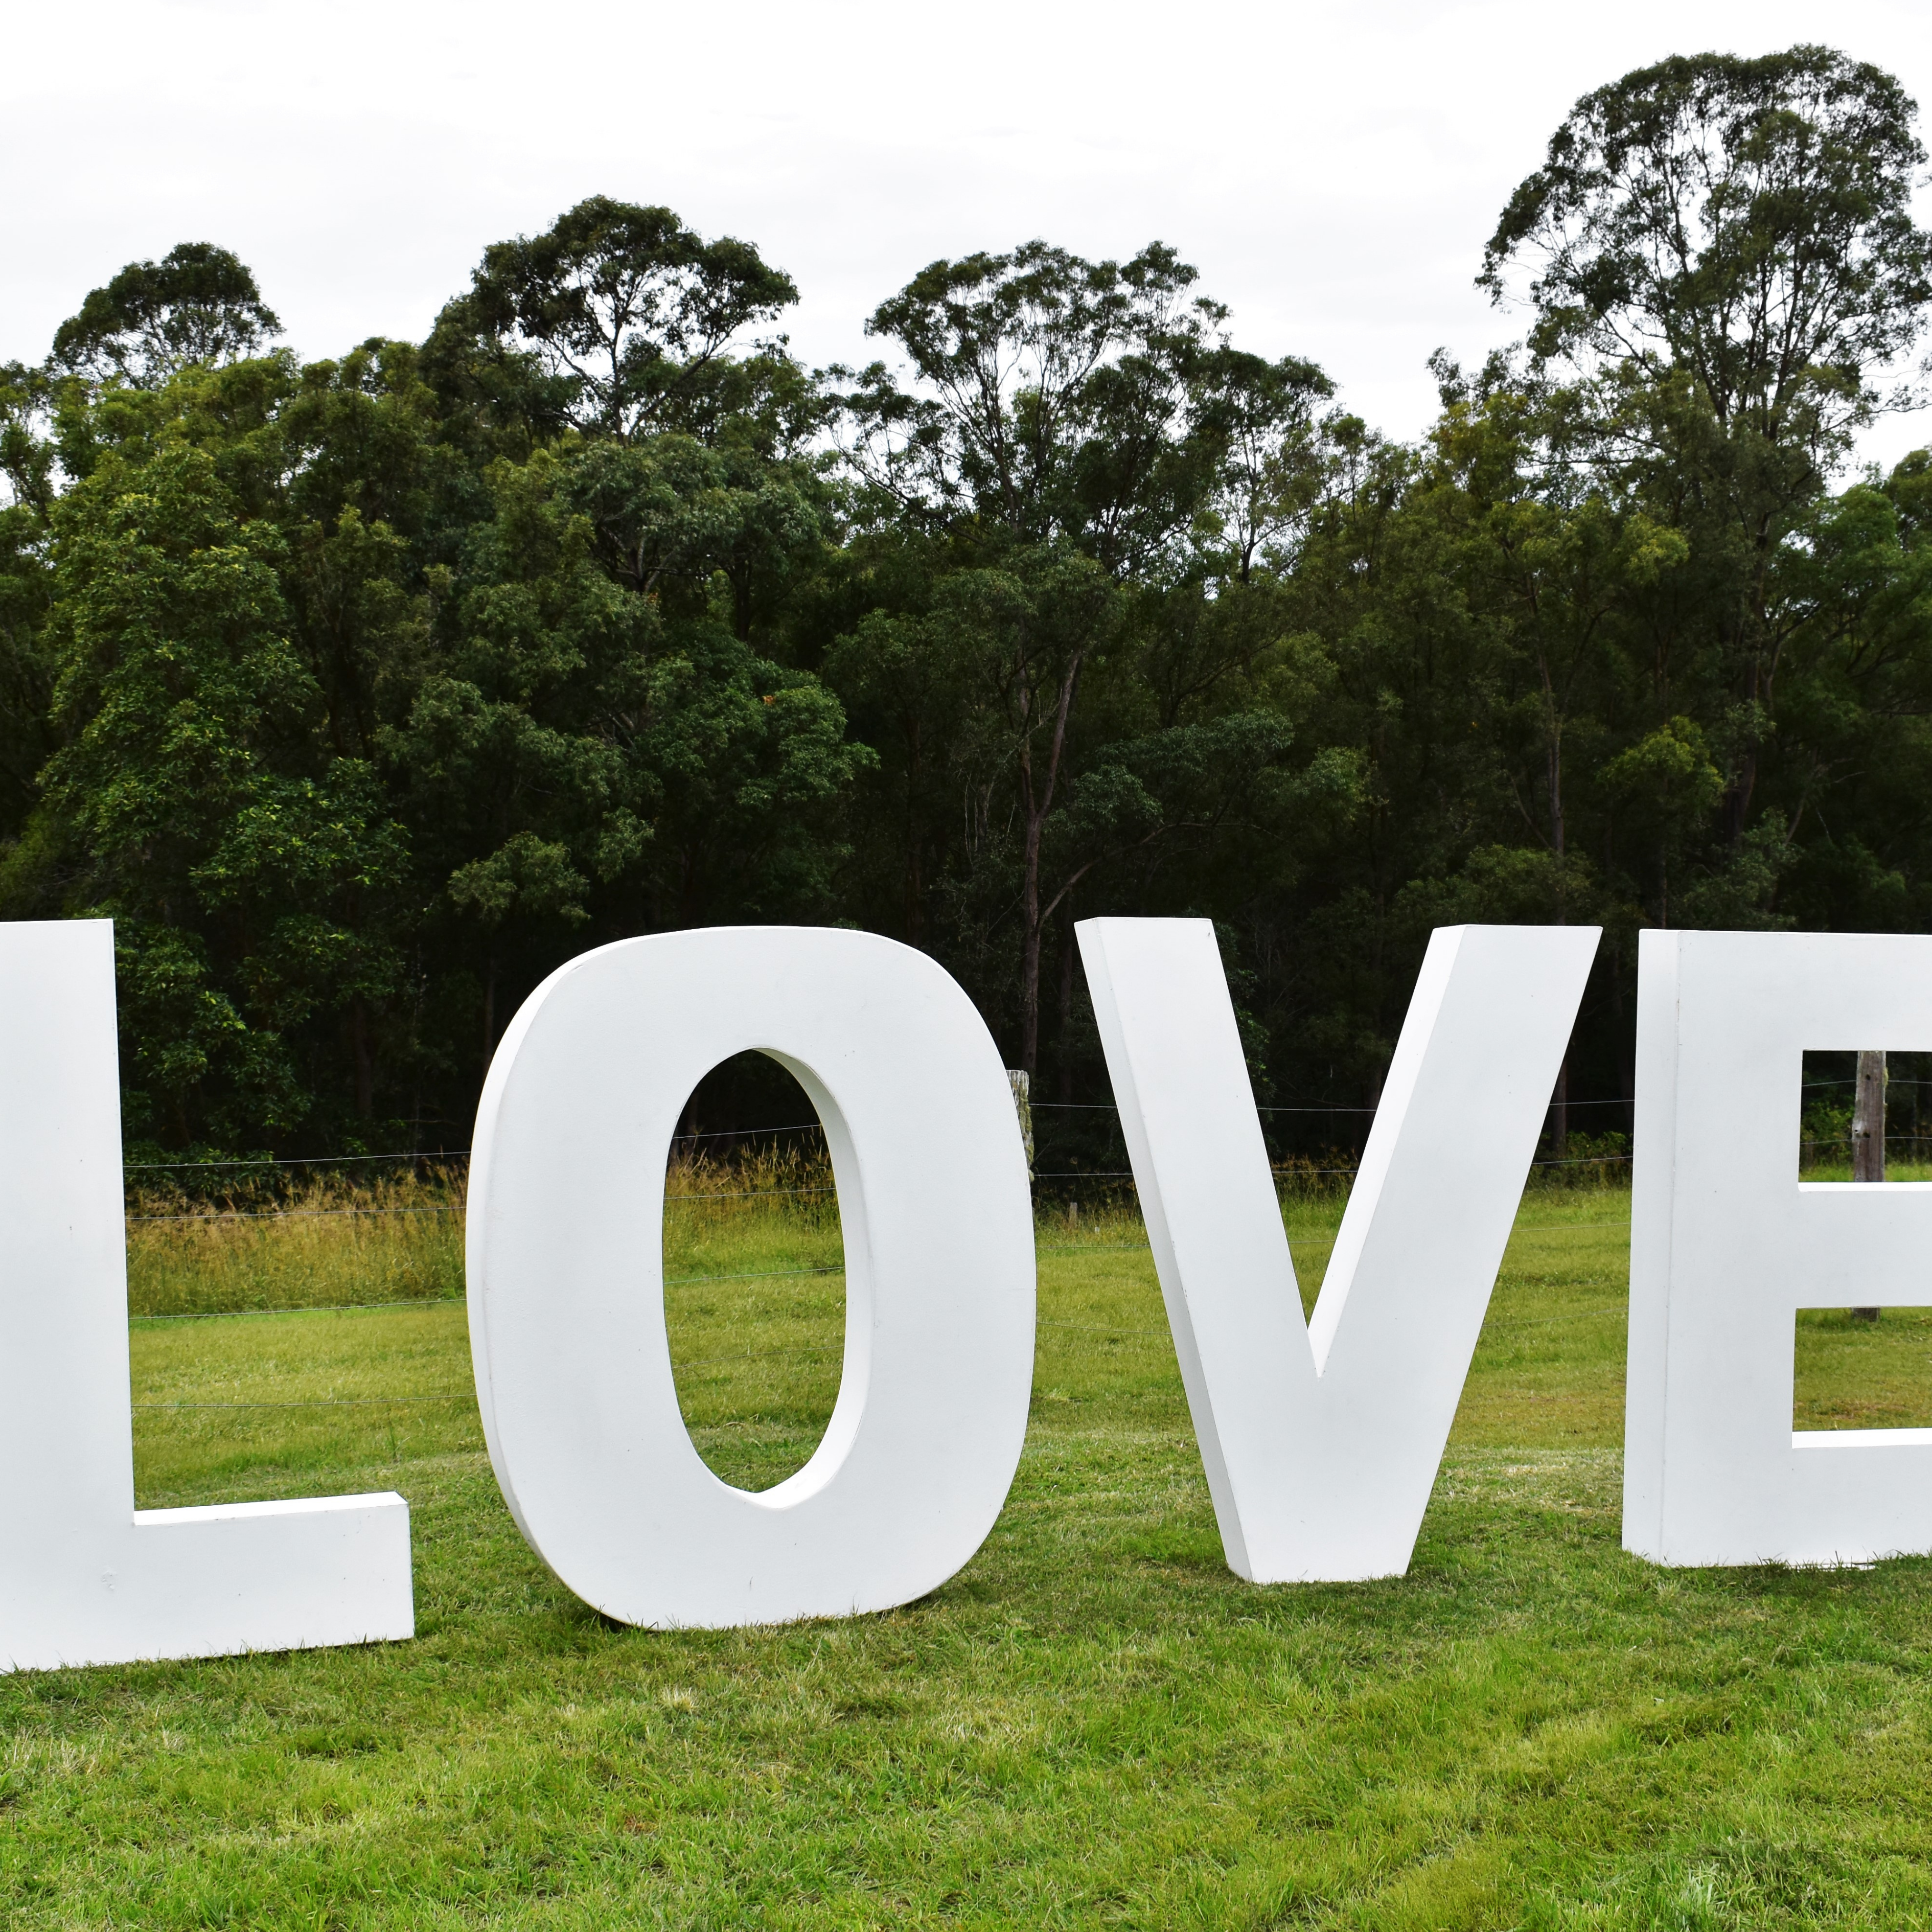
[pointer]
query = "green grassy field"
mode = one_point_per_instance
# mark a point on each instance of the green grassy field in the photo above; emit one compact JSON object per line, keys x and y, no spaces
{"x":1094,"y":1724}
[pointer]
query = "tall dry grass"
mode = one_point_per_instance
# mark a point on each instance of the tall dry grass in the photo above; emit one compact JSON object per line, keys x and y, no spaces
{"x":315,"y":1239}
{"x":261,"y":1239}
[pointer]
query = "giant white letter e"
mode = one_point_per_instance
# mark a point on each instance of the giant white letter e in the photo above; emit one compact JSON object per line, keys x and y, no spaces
{"x":1727,"y":1244}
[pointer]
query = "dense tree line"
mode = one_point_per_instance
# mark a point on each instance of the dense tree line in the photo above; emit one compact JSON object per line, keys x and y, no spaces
{"x":363,"y":692}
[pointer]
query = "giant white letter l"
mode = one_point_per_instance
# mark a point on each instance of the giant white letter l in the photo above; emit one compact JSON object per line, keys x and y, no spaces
{"x":85,"y":1576}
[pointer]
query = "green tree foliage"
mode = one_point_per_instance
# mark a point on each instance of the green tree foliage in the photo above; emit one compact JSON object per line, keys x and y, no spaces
{"x":363,"y":692}
{"x":1060,"y":439}
{"x":1746,"y":224}
{"x":627,"y":313}
{"x":27,"y":495}
{"x":199,"y":304}
{"x":1724,"y":249}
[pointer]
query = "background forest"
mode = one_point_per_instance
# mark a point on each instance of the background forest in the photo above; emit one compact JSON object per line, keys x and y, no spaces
{"x":363,"y":692}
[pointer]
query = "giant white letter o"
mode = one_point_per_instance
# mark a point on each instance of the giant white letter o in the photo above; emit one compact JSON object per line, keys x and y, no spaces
{"x":566,"y":1285}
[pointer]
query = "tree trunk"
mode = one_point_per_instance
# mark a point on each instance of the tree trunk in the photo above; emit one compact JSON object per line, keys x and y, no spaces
{"x":1868,"y":1134}
{"x":1066,"y":1039}
{"x":1030,"y":939}
{"x":1559,"y":1100}
{"x":365,"y":1062}
{"x":915,"y":885}
{"x":1036,"y":803}
{"x":1022,"y":1086}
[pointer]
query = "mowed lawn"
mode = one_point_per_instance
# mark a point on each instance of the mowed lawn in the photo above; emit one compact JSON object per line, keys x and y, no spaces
{"x":1094,"y":1724}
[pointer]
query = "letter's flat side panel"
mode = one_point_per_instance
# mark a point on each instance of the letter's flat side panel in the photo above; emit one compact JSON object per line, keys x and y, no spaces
{"x":1857,"y":1246}
{"x":1728,"y":1380}
{"x":856,"y":1222}
{"x":1857,"y":1502}
{"x":1379,"y":1151}
{"x":1653,"y":1194}
{"x":63,"y":1275}
{"x":1091,"y":935}
{"x":484,"y":1202}
{"x":1181,"y":1080}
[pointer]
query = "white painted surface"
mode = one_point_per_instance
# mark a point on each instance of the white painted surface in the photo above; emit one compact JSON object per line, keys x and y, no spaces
{"x":1321,"y":1438}
{"x":566,"y":1263}
{"x":85,"y":1577}
{"x":1726,"y":1245}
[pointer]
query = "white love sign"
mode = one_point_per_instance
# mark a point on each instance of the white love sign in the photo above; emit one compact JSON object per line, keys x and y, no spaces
{"x":1726,"y":1245}
{"x":85,"y":1576}
{"x":1321,"y":1438}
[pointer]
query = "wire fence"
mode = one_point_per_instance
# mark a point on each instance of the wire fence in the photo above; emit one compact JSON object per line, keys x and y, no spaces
{"x":318,"y":1402}
{"x":295,"y":1214}
{"x":421,"y":1156}
{"x":448,"y":1160}
{"x":445,"y":1156}
{"x":1285,"y":1174}
{"x":1306,"y":1244}
{"x":1285,"y":1171}
{"x":1288,"y":1173}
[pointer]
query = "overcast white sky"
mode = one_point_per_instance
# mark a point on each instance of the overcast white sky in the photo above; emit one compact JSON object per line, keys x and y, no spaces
{"x":1332,"y":171}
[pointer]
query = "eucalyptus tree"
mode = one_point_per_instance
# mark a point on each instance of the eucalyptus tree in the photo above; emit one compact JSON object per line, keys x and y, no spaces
{"x":602,"y":737}
{"x":590,"y":749}
{"x":1046,"y":432}
{"x":627,"y":314}
{"x":198,"y":304}
{"x":1275,"y":451}
{"x":1045,"y":399}
{"x":1724,"y":250}
{"x":1856,"y":711}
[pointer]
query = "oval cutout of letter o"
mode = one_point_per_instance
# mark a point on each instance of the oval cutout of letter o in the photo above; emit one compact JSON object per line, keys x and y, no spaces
{"x":574,"y":1374}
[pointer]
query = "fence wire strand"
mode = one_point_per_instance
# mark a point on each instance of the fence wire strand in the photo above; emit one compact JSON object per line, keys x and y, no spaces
{"x":1308,"y":1243}
{"x":448,"y":1157}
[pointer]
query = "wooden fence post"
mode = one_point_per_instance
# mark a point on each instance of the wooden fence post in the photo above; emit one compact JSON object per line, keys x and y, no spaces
{"x":1022,"y":1083}
{"x":1868,"y":1134}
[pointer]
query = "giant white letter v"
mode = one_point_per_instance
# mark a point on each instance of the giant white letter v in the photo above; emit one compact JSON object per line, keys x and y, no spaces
{"x":1321,"y":1438}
